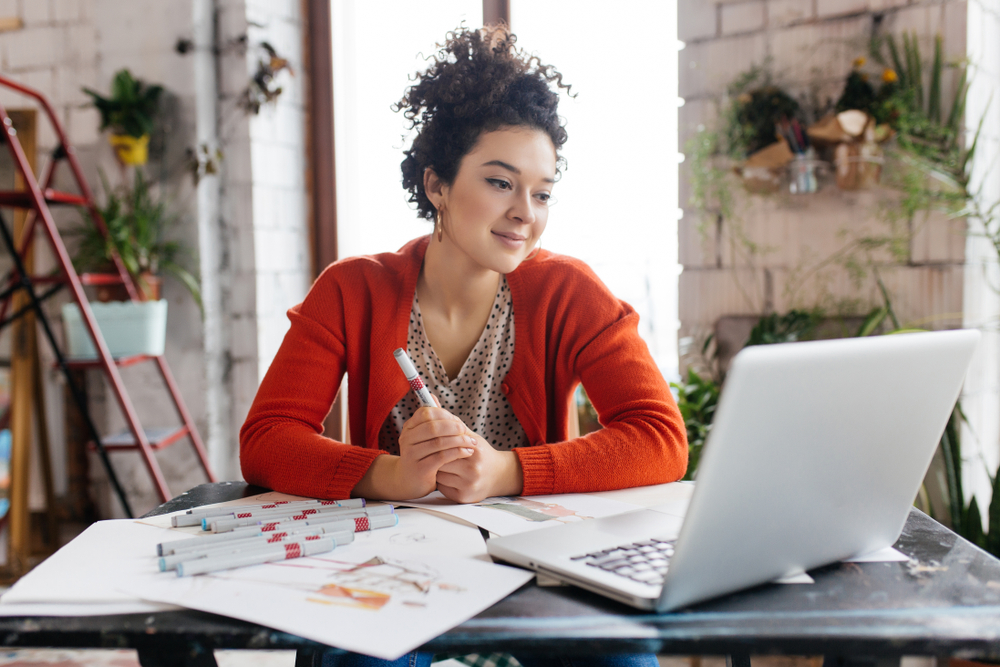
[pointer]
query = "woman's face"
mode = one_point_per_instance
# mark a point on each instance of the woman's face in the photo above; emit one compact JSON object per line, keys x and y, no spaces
{"x":497,"y":207}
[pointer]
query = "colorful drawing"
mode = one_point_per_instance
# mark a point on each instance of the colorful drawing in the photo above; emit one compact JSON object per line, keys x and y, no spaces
{"x":367,"y":586}
{"x":532,"y":510}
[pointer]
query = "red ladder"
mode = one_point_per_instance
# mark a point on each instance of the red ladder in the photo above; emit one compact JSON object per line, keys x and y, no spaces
{"x":37,"y":199}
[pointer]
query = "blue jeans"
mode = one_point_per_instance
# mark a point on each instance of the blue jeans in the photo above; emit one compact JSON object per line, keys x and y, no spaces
{"x":416,"y":659}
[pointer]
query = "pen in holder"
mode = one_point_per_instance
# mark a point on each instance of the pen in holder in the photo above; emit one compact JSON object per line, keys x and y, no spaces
{"x":803,"y":167}
{"x":802,"y":173}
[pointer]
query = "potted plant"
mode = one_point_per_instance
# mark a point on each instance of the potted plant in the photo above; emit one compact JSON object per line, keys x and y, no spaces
{"x":137,"y":224}
{"x":129,"y":112}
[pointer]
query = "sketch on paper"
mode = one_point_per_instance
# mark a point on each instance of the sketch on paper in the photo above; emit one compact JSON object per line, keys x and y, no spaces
{"x":507,"y":515}
{"x":371,"y":585}
{"x":366,"y":586}
{"x":532,"y":510}
{"x":334,"y":598}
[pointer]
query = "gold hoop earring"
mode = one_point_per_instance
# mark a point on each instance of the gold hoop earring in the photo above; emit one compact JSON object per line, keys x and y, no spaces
{"x":439,"y":226}
{"x":535,"y":252}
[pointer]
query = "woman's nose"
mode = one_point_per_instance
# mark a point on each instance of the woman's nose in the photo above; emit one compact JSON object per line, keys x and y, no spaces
{"x":523,"y":210}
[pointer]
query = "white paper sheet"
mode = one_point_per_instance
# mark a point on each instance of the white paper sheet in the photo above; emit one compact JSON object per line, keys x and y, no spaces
{"x":79,"y":579}
{"x":517,"y":514}
{"x":349,"y":598}
{"x":392,"y":577}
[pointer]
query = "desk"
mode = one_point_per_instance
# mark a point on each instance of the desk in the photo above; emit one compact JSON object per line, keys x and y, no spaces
{"x":947,"y":605}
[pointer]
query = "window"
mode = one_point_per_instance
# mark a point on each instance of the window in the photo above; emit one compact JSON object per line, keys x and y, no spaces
{"x":616,"y":204}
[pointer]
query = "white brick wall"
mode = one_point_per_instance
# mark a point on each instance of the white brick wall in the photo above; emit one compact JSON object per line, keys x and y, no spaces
{"x":811,"y":45}
{"x":699,"y":19}
{"x":256,"y":207}
{"x":786,"y":12}
{"x":742,"y":17}
{"x":831,"y":8}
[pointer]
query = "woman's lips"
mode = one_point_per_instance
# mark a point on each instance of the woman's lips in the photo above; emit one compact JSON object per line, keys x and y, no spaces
{"x":514,"y":241}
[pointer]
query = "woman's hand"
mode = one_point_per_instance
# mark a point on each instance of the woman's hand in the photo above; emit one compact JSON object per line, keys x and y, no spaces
{"x":430,"y":439}
{"x":487,"y":472}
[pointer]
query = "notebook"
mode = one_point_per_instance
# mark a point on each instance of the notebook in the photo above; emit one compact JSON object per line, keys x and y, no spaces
{"x":816,"y":454}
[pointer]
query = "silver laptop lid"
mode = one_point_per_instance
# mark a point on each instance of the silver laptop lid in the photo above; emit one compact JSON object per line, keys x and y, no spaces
{"x":816,"y":454}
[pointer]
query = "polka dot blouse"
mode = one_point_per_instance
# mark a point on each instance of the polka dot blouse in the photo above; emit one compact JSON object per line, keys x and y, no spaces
{"x":474,"y":395}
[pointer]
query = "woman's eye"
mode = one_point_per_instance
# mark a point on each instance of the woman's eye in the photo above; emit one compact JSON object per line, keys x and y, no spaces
{"x":544,"y":197}
{"x":499,"y":183}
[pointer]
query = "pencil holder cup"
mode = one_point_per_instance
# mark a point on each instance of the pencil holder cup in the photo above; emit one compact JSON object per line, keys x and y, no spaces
{"x":803,"y":173}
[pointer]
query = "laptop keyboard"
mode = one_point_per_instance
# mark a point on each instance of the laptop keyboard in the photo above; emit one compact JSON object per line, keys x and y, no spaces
{"x":644,"y":561}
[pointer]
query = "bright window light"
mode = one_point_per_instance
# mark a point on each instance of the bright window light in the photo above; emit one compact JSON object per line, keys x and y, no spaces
{"x":617,"y":200}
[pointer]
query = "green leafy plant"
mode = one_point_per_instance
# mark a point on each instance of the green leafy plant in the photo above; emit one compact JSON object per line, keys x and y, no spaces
{"x":697,"y":398}
{"x":793,"y":326}
{"x":137,"y":224}
{"x":131,"y":108}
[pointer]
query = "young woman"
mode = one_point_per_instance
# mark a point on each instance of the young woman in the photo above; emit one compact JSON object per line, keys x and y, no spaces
{"x":500,"y":330}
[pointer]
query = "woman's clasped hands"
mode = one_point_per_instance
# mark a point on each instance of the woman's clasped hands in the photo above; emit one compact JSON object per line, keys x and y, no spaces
{"x":438,"y":451}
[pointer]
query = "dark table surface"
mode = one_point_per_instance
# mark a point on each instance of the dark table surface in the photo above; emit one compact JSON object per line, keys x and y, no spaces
{"x":944,"y":601}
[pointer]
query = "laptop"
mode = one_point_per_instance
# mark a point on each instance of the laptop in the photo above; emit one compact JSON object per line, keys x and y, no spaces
{"x":816,"y":454}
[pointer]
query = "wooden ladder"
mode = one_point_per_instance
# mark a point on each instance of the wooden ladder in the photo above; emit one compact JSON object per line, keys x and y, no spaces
{"x":19,"y":289}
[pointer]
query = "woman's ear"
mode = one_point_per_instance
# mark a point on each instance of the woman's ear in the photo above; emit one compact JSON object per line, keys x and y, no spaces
{"x":434,"y":187}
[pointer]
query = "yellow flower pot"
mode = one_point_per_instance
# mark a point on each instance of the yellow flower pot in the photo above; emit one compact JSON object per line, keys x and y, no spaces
{"x":130,"y":150}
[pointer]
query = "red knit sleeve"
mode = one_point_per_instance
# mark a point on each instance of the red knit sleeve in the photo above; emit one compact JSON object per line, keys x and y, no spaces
{"x":593,"y":337}
{"x":281,"y":443}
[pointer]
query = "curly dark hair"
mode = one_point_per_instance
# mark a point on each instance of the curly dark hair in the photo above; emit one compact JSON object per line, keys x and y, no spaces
{"x":478,"y":81}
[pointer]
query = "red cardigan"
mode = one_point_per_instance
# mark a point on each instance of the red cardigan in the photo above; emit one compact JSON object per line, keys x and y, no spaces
{"x":568,"y":329}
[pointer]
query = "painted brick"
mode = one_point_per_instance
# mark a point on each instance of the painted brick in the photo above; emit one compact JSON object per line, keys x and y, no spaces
{"x":277,"y":165}
{"x":243,"y":337}
{"x":82,"y":125}
{"x":921,"y":19}
{"x":270,"y":332}
{"x":80,"y":46}
{"x":273,"y":252}
{"x":294,"y":284}
{"x":246,"y":377}
{"x":242,"y":255}
{"x":263,"y":158}
{"x":937,"y":239}
{"x":928,"y":296}
{"x":810,"y":52}
{"x":32,"y":48}
{"x":707,"y":68}
{"x":954,"y":29}
{"x":882,"y":5}
{"x":238,"y":203}
{"x":65,"y":11}
{"x":43,"y":81}
{"x":781,"y":13}
{"x":72,"y":80}
{"x":696,"y":242}
{"x":827,"y":8}
{"x":35,"y":12}
{"x":236,"y":161}
{"x":262,"y":11}
{"x":742,"y":17}
{"x":696,"y":19}
{"x":695,"y":114}
{"x":708,"y":294}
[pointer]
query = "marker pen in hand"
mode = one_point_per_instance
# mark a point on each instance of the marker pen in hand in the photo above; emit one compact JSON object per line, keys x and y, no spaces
{"x":410,"y":371}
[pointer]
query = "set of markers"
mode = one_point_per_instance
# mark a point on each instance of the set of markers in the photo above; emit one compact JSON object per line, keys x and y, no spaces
{"x":255,"y":534}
